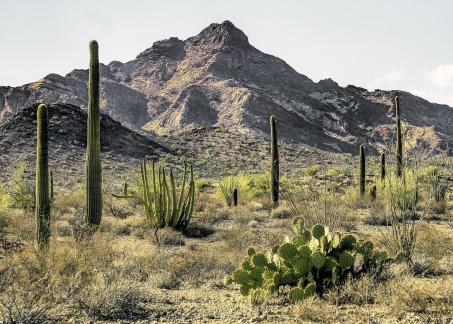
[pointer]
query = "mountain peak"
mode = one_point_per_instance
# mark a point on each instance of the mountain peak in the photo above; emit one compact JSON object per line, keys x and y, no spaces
{"x":225,"y":33}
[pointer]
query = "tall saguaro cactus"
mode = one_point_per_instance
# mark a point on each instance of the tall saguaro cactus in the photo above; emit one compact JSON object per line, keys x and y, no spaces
{"x":93,"y":202}
{"x":382,"y":166}
{"x":51,"y":187}
{"x":235,"y":197}
{"x":42,"y":179}
{"x":275,"y":164}
{"x":362,"y":170}
{"x":399,"y":142}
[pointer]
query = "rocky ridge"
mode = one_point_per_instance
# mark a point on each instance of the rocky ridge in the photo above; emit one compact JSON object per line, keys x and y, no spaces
{"x":217,"y":78}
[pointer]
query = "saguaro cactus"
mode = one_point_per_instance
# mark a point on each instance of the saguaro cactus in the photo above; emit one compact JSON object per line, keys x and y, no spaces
{"x":51,"y":186}
{"x":235,"y":196}
{"x":125,"y":189}
{"x":93,"y":202}
{"x":42,"y":179}
{"x":373,"y":193}
{"x":382,"y":166}
{"x":362,"y":170}
{"x":399,"y":142}
{"x":275,"y":165}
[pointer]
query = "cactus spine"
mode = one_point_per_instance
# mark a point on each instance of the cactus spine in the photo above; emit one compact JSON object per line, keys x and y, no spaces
{"x":42,"y":179}
{"x":362,"y":170}
{"x":93,"y":203}
{"x":399,"y":142}
{"x":235,"y":196}
{"x":275,"y":165}
{"x":383,"y":167}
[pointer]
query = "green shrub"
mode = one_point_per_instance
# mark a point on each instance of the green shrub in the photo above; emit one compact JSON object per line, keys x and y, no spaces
{"x":312,"y":170}
{"x":226,"y":186}
{"x":310,"y":263}
{"x":3,"y":222}
{"x":21,"y":188}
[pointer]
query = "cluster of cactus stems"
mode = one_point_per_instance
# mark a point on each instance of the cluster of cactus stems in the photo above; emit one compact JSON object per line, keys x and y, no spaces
{"x":362,"y":170}
{"x":42,"y":208}
{"x":399,"y":142}
{"x":235,"y":197}
{"x":93,"y":202}
{"x":275,"y":164}
{"x":162,"y":206}
{"x":310,"y":262}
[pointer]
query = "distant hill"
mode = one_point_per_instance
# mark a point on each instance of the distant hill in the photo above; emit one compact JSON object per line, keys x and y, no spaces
{"x":218,"y":78}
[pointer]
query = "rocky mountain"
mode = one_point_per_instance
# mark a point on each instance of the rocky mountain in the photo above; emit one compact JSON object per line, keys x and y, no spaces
{"x":217,"y":78}
{"x":67,"y":140}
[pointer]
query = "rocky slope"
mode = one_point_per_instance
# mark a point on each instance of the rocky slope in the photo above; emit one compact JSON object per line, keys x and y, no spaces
{"x":67,"y":140}
{"x":219,"y":78}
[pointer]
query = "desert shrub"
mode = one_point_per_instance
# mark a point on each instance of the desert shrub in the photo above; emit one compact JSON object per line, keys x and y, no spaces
{"x":281,"y":213}
{"x":362,"y":291}
{"x":336,"y":171}
{"x":21,"y":188}
{"x":118,"y":208}
{"x":3,"y":222}
{"x":69,"y":201}
{"x":203,"y":184}
{"x":112,"y":301}
{"x":226,"y":186}
{"x":312,"y":170}
{"x":320,"y":206}
{"x":311,"y":262}
{"x":402,"y":196}
{"x":421,"y":295}
{"x":258,"y":185}
{"x":168,"y":236}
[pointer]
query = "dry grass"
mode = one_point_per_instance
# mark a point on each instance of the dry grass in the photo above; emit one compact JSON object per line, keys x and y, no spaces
{"x":122,"y":273}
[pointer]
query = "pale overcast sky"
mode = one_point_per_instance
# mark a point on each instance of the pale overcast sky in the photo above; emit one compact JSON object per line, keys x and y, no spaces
{"x":400,"y":44}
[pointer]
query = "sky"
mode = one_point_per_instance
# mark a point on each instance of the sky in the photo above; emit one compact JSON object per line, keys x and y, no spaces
{"x":399,"y":44}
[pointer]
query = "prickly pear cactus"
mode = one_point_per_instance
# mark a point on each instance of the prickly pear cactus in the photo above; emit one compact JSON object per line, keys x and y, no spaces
{"x":310,"y":262}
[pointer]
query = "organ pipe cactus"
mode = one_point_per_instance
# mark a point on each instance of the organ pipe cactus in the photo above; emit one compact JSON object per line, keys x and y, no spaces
{"x":42,"y":179}
{"x":361,"y":170}
{"x":163,"y":207}
{"x":93,"y":202}
{"x":275,"y":164}
{"x":383,"y":167}
{"x":399,"y":142}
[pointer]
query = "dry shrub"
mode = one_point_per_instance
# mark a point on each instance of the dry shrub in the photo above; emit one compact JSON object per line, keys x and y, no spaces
{"x":112,"y":300}
{"x":420,"y":295}
{"x":119,"y":208}
{"x":197,"y":265}
{"x":362,"y":291}
{"x":168,"y":236}
{"x":314,"y":309}
{"x":281,"y":213}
